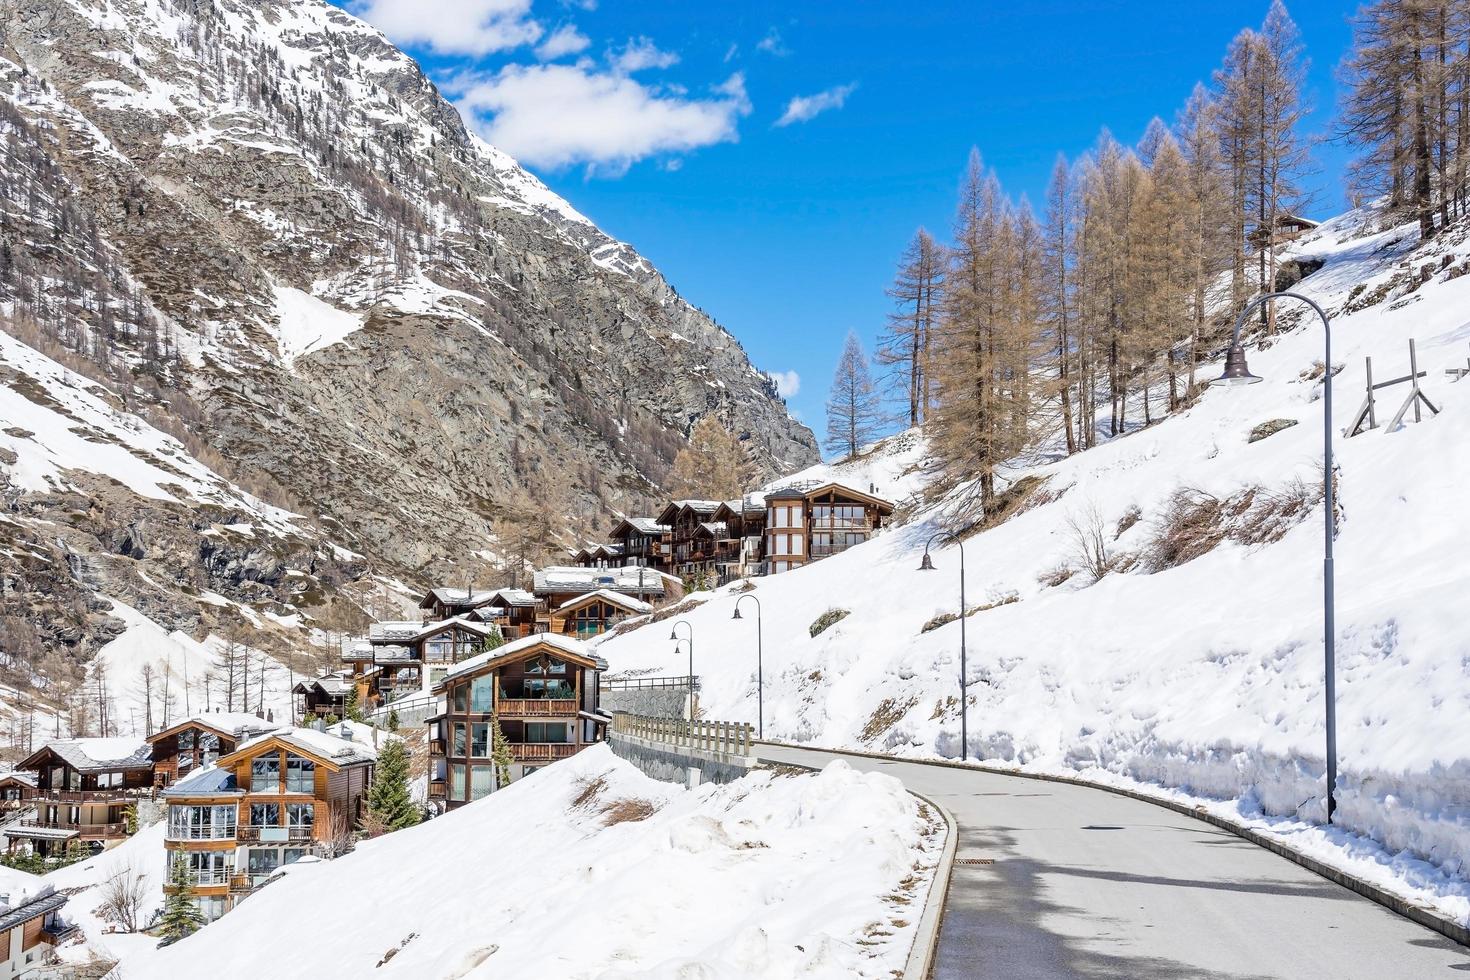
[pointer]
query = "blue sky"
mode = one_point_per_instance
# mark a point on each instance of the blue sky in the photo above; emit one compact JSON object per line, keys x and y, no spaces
{"x":773,"y":159}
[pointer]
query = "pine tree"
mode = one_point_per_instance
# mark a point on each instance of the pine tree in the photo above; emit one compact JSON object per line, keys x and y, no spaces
{"x":502,"y":758}
{"x":351,"y":707}
{"x":853,"y":409}
{"x":904,"y":346}
{"x":181,"y":916}
{"x":388,"y":799}
{"x":713,"y":466}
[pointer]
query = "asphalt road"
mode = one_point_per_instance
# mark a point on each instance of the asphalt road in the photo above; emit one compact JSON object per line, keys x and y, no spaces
{"x":1090,"y":884}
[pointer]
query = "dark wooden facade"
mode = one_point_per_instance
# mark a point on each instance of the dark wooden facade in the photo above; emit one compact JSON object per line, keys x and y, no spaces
{"x":82,"y":797}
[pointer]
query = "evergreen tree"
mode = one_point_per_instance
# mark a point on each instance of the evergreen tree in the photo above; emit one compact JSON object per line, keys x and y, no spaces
{"x":502,"y":758}
{"x":181,"y":916}
{"x":388,"y":798}
{"x":904,"y":345}
{"x":351,"y":707}
{"x":853,"y":409}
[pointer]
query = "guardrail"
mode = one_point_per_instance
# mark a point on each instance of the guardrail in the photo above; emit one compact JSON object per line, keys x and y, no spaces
{"x":724,"y":737}
{"x":638,"y":683}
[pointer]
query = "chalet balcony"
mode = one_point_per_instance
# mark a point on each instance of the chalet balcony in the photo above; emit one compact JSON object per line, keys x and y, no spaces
{"x":542,"y":751}
{"x":92,"y":795}
{"x":828,"y":550}
{"x":240,"y":884}
{"x":842,"y":524}
{"x":86,"y":831}
{"x":251,"y":834}
{"x":59,"y":932}
{"x":436,"y":746}
{"x":438,"y":789}
{"x":539,"y":707}
{"x":223,"y":832}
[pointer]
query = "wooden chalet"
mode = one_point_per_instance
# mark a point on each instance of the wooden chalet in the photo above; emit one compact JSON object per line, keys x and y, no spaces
{"x":326,"y":696}
{"x":276,"y":799}
{"x":594,"y":613}
{"x":741,"y":552}
{"x":1288,"y":228}
{"x":411,"y":657}
{"x":542,"y":693}
{"x":598,"y":556}
{"x":199,"y":741}
{"x":515,"y":611}
{"x":446,"y":602}
{"x":644,"y":542}
{"x":83,"y":788}
{"x":807,"y":523}
{"x":31,"y":927}
{"x":17,"y":788}
{"x":555,"y":587}
{"x":692,"y":535}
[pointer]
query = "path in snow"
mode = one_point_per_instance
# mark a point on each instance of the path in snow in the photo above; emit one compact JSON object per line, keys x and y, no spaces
{"x":1091,"y":884}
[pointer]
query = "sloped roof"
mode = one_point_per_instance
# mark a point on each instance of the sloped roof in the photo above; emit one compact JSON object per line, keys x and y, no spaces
{"x":331,"y":684}
{"x":606,"y":595}
{"x":47,"y":900}
{"x":235,"y":724}
{"x":322,"y":746}
{"x":451,"y":596}
{"x":564,"y":645}
{"x":514,"y":597}
{"x":393,"y":631}
{"x":97,"y":754}
{"x":573,"y":579}
{"x":212,"y":780}
{"x":643,"y":525}
{"x":713,"y":528}
{"x":20,"y":776}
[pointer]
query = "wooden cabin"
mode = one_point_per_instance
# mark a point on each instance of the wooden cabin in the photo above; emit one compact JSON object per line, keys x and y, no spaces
{"x":199,"y":741}
{"x":515,"y":611}
{"x":17,"y":788}
{"x":598,"y":556}
{"x":31,"y":927}
{"x":276,"y":799}
{"x":83,"y":789}
{"x":1288,"y":228}
{"x":556,"y":587}
{"x":741,"y":553}
{"x":644,"y":542}
{"x":326,"y":696}
{"x":594,"y":613}
{"x":809,"y":523}
{"x":411,"y":657}
{"x":542,"y":693}
{"x":446,"y":602}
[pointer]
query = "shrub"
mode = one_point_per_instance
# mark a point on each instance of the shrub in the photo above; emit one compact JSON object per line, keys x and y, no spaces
{"x":828,"y":619}
{"x":940,"y":620}
{"x":1267,"y":429}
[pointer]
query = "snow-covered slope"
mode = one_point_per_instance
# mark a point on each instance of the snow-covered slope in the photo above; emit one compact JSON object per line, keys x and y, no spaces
{"x":1206,"y":677}
{"x":816,"y":876}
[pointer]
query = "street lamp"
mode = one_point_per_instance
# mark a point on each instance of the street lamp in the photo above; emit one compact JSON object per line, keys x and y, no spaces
{"x":674,"y":635}
{"x":1237,"y":373}
{"x":760,"y":681}
{"x":927,"y":565}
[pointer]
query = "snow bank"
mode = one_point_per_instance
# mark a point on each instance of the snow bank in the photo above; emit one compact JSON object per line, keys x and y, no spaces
{"x":1204,"y":678}
{"x":809,"y":876}
{"x":306,"y":324}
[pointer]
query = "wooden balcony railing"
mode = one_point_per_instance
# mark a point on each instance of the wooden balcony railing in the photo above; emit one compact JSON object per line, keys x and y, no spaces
{"x":95,"y":831}
{"x":539,"y":707}
{"x":542,"y":751}
{"x":92,"y":795}
{"x":436,"y":746}
{"x":438,"y":789}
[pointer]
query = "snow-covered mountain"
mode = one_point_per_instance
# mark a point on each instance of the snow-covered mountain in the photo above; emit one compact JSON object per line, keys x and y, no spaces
{"x":1194,"y":666}
{"x":256,"y":225}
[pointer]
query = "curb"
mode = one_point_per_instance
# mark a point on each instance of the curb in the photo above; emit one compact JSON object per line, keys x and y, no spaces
{"x":920,"y":962}
{"x":1422,"y":915}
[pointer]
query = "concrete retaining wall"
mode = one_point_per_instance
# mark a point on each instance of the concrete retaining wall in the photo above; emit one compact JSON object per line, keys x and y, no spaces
{"x":654,"y":702}
{"x":671,"y":764}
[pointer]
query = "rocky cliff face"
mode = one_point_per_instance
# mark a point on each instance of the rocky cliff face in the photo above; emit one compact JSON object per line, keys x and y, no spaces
{"x":262,"y":222}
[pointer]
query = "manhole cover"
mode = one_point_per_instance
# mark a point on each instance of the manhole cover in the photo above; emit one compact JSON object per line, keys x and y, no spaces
{"x":975,"y":861}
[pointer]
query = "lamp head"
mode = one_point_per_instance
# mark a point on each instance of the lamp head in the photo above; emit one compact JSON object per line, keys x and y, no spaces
{"x":1237,"y":372}
{"x":927,"y":565}
{"x":736,"y":614}
{"x":674,"y":635}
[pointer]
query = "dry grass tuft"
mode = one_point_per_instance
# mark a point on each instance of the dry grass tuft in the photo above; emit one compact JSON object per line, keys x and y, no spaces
{"x":588,"y":790}
{"x":627,"y":811}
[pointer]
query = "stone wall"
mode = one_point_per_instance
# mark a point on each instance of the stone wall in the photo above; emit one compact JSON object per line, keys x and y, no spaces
{"x":671,"y":764}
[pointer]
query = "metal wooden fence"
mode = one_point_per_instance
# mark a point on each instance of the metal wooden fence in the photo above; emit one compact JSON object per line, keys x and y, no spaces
{"x":724,"y":737}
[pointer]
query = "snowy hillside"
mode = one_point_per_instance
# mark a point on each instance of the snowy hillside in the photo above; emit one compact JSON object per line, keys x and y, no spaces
{"x":1201,"y":676}
{"x":818,"y":876}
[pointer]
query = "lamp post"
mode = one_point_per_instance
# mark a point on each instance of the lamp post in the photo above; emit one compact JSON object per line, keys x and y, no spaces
{"x":760,"y":677}
{"x":927,"y":565}
{"x":1237,"y":373}
{"x":674,"y":635}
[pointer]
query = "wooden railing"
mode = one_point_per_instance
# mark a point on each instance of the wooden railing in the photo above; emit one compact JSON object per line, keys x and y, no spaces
{"x":105,"y":831}
{"x":726,"y":737}
{"x":438,"y":789}
{"x":541,"y":751}
{"x":91,"y":795}
{"x":538,"y":707}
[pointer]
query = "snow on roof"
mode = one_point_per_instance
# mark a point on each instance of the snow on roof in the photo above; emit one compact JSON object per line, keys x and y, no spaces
{"x":713,"y":528}
{"x":450,"y":596}
{"x":393,"y":631}
{"x":645,"y":525}
{"x":237,"y":723}
{"x":19,"y":775}
{"x":209,"y":781}
{"x":515,"y":597}
{"x":328,"y":683}
{"x":616,"y":598}
{"x":86,"y":754}
{"x":570,"y":579}
{"x":29,"y":907}
{"x":563,"y":643}
{"x":324,"y":745}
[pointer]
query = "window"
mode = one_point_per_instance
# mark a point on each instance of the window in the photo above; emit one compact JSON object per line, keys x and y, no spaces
{"x":290,"y":855}
{"x":109,"y":780}
{"x":546,"y":731}
{"x":527,"y":770}
{"x":796,"y":544}
{"x":555,"y":688}
{"x":482,"y":781}
{"x":461,"y":693}
{"x":186,"y":741}
{"x":300,"y":775}
{"x":201,"y":822}
{"x":209,"y":746}
{"x":205,"y":867}
{"x":265,"y":814}
{"x":480,"y":740}
{"x":265,"y":774}
{"x":439,"y":648}
{"x":458,"y":749}
{"x":263,"y":861}
{"x":546,"y":666}
{"x":300,"y":817}
{"x":456,"y":783}
{"x":481,"y":694}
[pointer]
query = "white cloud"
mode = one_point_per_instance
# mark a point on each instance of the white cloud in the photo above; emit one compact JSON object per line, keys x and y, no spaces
{"x":805,"y":107}
{"x":731,"y":52}
{"x":558,"y":115}
{"x":561,"y":42}
{"x":473,"y":27}
{"x":641,"y":53}
{"x":788,"y":383}
{"x":772,"y":44}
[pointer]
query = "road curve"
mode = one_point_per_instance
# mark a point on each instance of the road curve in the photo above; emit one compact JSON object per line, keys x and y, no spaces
{"x":1089,"y":884}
